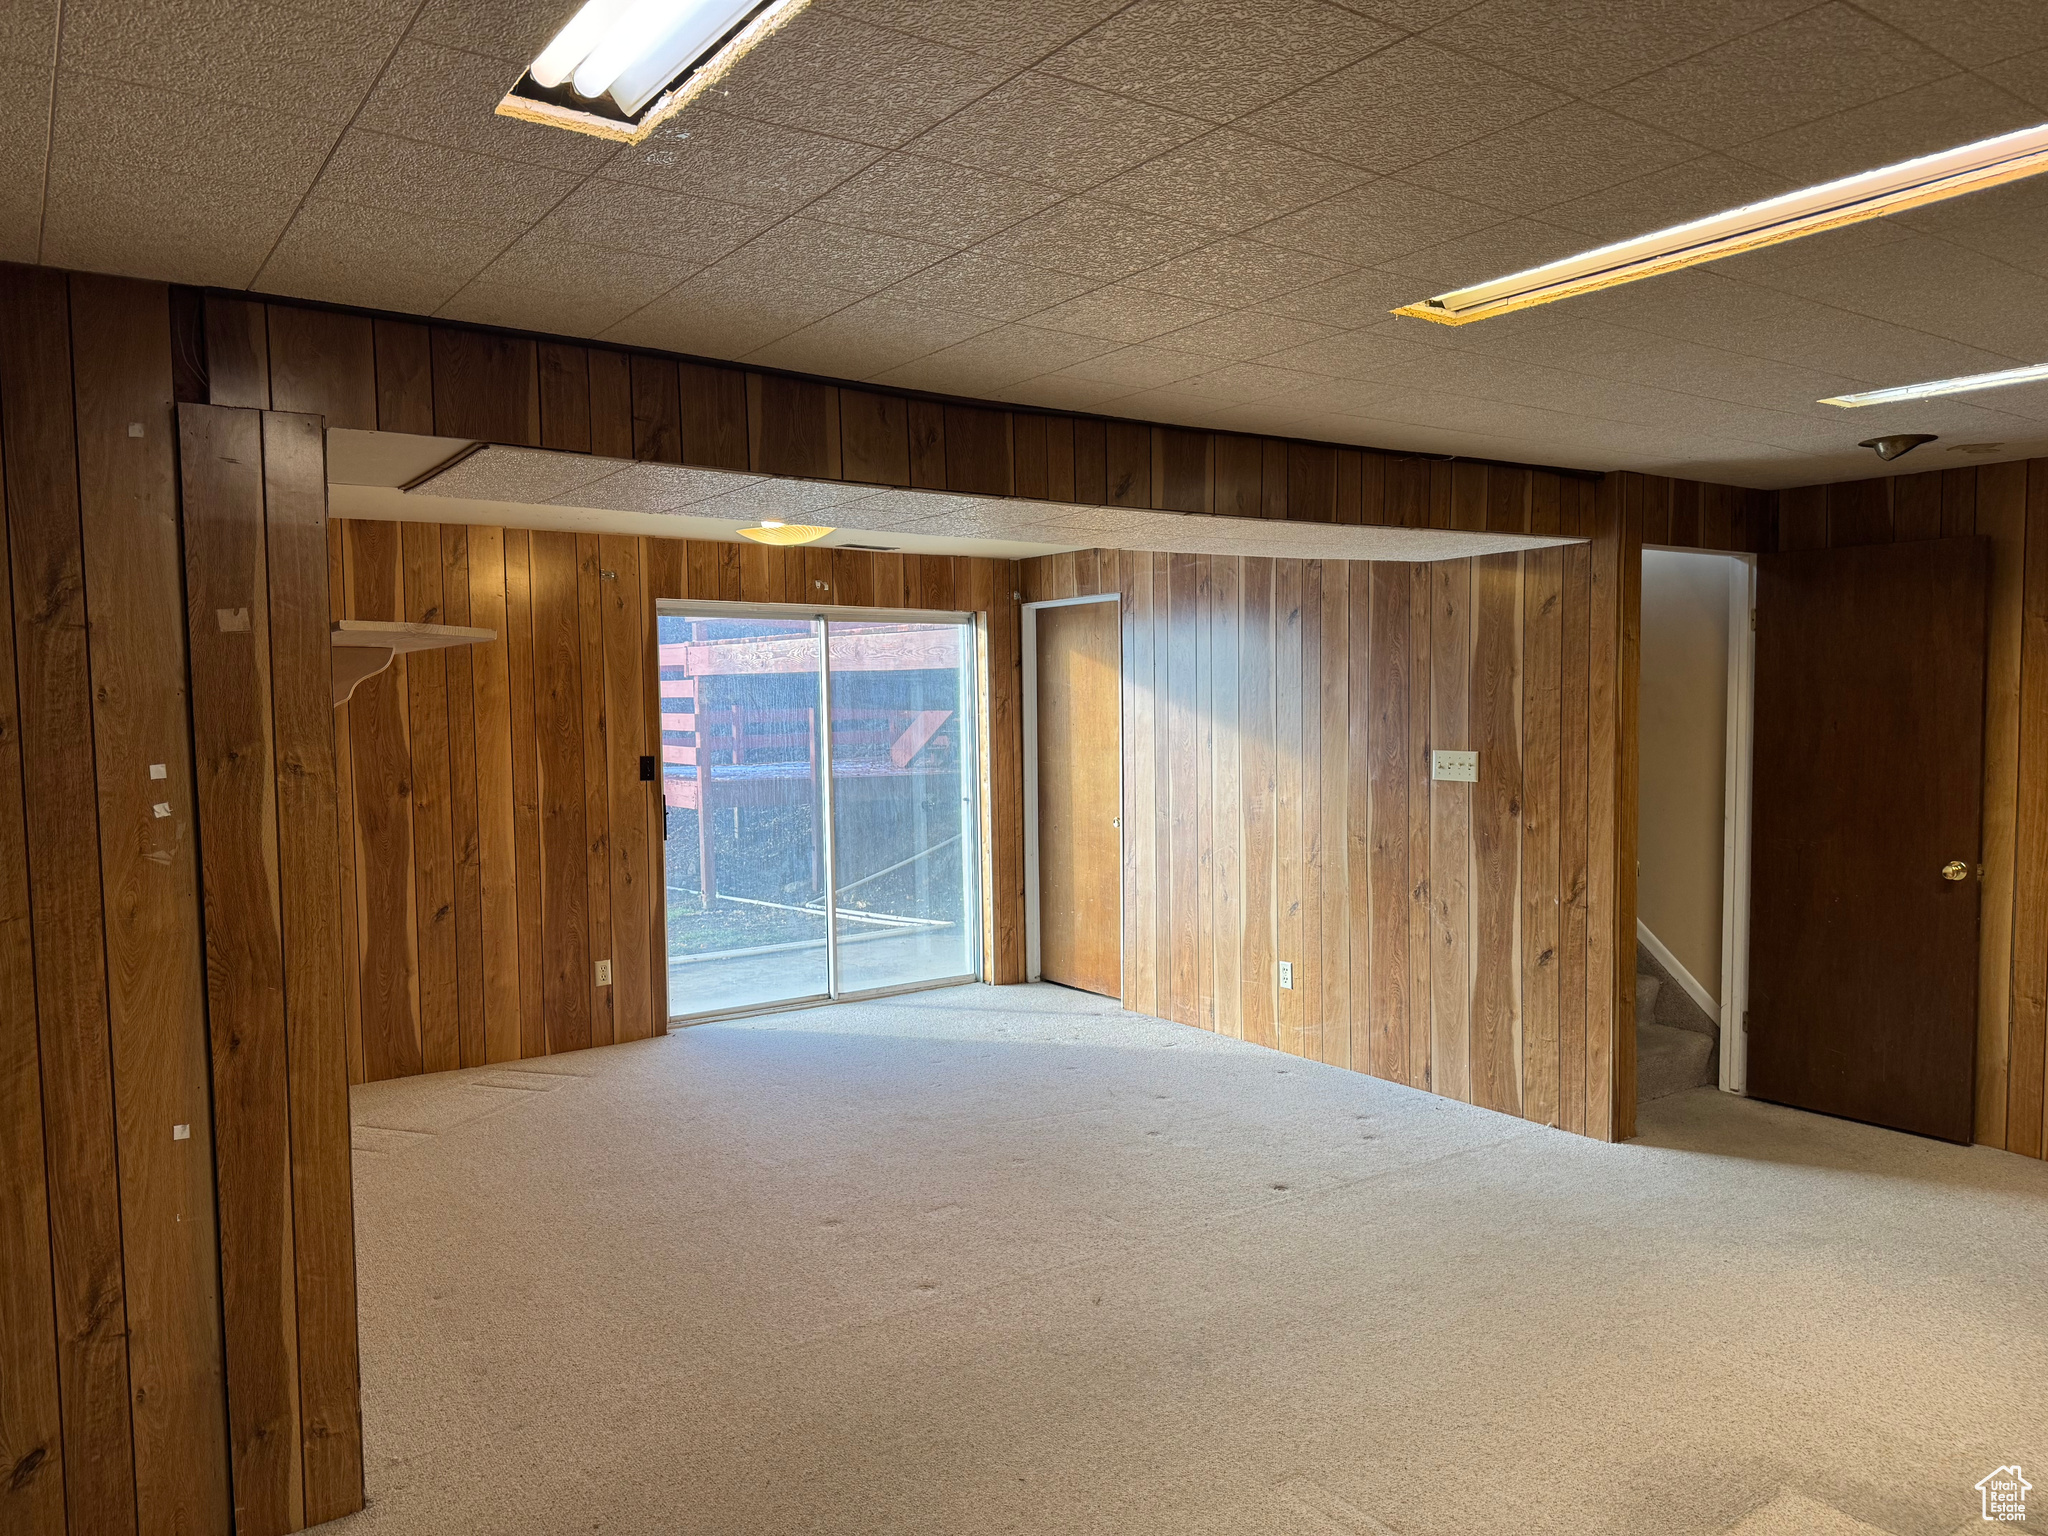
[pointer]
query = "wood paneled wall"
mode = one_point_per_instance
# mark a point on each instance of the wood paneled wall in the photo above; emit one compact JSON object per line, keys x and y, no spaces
{"x":500,"y":837}
{"x":177,"y":1345}
{"x":1278,"y":720}
{"x":2007,"y":504}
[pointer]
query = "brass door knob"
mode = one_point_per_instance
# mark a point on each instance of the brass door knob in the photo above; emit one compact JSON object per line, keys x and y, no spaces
{"x":1955,"y":869}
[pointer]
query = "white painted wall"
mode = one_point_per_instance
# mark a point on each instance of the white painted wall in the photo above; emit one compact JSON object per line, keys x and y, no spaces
{"x":1684,"y":749}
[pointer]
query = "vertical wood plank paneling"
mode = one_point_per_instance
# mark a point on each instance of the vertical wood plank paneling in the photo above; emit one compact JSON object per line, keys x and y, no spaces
{"x":464,"y":812}
{"x":1541,"y":804}
{"x":237,"y":351}
{"x":54,"y":683}
{"x":1182,"y":484}
{"x":1228,"y":834}
{"x":978,"y":451}
{"x":1091,"y":462}
{"x":1916,"y":506}
{"x":1181,"y":863}
{"x":1272,"y":477}
{"x":874,"y":440}
{"x":791,"y":422}
{"x":1204,"y":725}
{"x":405,"y":377}
{"x":156,"y":988}
{"x":433,"y":837}
{"x":1309,"y":981}
{"x":386,"y":893}
{"x":308,"y":873}
{"x":1127,"y":465}
{"x":1335,"y":786}
{"x":1604,"y":725}
{"x":564,"y":896}
{"x":497,"y":856}
{"x":1059,"y":458}
{"x":610,"y":376}
{"x":597,"y":860}
{"x":714,"y":406}
{"x":1496,"y":832}
{"x":1141,"y":784}
{"x":1258,"y":657}
{"x":1006,"y":758}
{"x":339,"y":607}
{"x":1622,"y":1078}
{"x":486,"y":386}
{"x":1575,"y":639}
{"x":523,"y":683}
{"x":31,"y":1439}
{"x":564,"y":397}
{"x":2028,"y":1049}
{"x":2000,"y":514}
{"x":322,"y":361}
{"x":1240,"y":468}
{"x":1382,"y":666}
{"x":631,"y":805}
{"x":221,"y":458}
{"x":927,"y":428}
{"x":1959,"y":491}
{"x":1287,"y":795}
{"x":1450,"y":830}
{"x":657,"y":410}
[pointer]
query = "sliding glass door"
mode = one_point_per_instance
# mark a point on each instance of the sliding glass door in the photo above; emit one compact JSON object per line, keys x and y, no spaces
{"x":819,"y":775}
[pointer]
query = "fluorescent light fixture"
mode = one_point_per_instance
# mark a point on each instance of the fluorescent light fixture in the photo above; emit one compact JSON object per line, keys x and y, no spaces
{"x":2030,"y":374}
{"x":1870,"y":195}
{"x":620,"y":67}
{"x":772,"y":532}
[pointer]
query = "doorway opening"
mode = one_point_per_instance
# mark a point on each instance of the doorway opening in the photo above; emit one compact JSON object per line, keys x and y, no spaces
{"x":819,"y":777}
{"x":1693,"y":786}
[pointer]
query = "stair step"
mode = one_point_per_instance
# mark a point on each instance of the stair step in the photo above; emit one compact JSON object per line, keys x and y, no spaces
{"x":1647,"y":988}
{"x":1672,"y":1060}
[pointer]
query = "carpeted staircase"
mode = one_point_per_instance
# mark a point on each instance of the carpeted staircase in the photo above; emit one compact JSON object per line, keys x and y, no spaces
{"x":1678,"y":1045}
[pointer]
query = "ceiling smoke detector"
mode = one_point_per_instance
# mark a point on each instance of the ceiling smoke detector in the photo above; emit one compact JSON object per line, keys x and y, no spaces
{"x":1897,"y":445}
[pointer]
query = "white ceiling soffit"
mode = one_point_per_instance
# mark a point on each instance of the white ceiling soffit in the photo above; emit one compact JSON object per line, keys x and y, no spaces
{"x":1185,"y":211}
{"x":726,"y":500}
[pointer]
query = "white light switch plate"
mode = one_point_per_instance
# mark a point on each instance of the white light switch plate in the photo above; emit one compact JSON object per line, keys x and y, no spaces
{"x":1287,"y":975}
{"x":604,"y":973}
{"x":1459,"y":767}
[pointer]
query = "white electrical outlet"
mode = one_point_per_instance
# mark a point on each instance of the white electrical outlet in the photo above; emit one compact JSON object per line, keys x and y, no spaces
{"x":604,"y":973}
{"x":1457,"y":767}
{"x":1286,"y":975}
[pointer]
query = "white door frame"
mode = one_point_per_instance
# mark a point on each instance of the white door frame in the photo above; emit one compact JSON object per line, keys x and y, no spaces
{"x":1738,"y":785}
{"x":1030,"y":643}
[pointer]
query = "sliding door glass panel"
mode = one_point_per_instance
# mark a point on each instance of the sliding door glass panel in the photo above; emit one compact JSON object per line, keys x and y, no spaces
{"x":903,"y":831}
{"x":743,"y":787}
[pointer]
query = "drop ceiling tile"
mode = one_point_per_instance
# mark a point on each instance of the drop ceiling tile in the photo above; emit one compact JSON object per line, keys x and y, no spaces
{"x":1229,"y":181}
{"x":346,"y":254}
{"x":1932,"y":286}
{"x":974,"y":284}
{"x":1121,"y":313}
{"x":157,"y":224}
{"x":1216,"y":59}
{"x":511,"y":31}
{"x":2025,"y":75}
{"x":1091,"y":239}
{"x":1404,"y":104}
{"x":1676,"y":195}
{"x":1600,"y":43}
{"x":604,"y":284}
{"x":445,"y":96}
{"x":823,"y":73}
{"x":1959,"y":109}
{"x":803,"y":252}
{"x":1369,"y":224}
{"x":1817,"y":63}
{"x":702,"y":153}
{"x":1409,"y":15}
{"x":1234,"y":272}
{"x":1333,"y":397}
{"x":1511,"y":246}
{"x":863,"y":339}
{"x":647,"y":487}
{"x":694,"y":231}
{"x":915,"y":199}
{"x":1044,"y":129}
{"x":1573,"y":150}
{"x":716,"y":315}
{"x":1355,"y":355}
{"x":1062,"y":392}
{"x":1355,"y":299}
{"x":28,"y":35}
{"x":552,"y":311}
{"x":277,"y":57}
{"x":1972,"y":32}
{"x":1016,"y":31}
{"x":1245,"y":335}
{"x":994,"y":360}
{"x":1241,"y":383}
{"x":374,"y":170}
{"x":1139,"y":367}
{"x":2009,"y":223}
{"x":202,"y":139}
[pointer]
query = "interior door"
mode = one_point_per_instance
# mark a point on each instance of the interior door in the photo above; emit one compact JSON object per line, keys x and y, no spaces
{"x":1865,"y":832}
{"x":1080,"y":859}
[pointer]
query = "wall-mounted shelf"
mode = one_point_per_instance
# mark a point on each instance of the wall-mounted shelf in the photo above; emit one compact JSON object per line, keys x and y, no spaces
{"x":364,"y":647}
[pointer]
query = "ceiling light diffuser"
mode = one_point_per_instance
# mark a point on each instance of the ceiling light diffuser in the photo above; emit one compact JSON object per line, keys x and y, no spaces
{"x":620,"y":67}
{"x":1870,"y":195}
{"x":1962,"y":385}
{"x":784,"y":533}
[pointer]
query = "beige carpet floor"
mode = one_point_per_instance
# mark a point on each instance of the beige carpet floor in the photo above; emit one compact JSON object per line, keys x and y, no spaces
{"x":982,"y":1261}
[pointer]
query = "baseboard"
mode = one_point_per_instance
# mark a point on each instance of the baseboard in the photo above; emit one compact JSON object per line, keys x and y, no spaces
{"x":1679,"y":973}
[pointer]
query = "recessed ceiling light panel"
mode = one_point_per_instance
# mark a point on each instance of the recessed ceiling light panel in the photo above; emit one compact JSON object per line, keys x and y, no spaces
{"x":1870,"y":195}
{"x":620,"y":67}
{"x":2031,"y":374}
{"x":771,"y":532}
